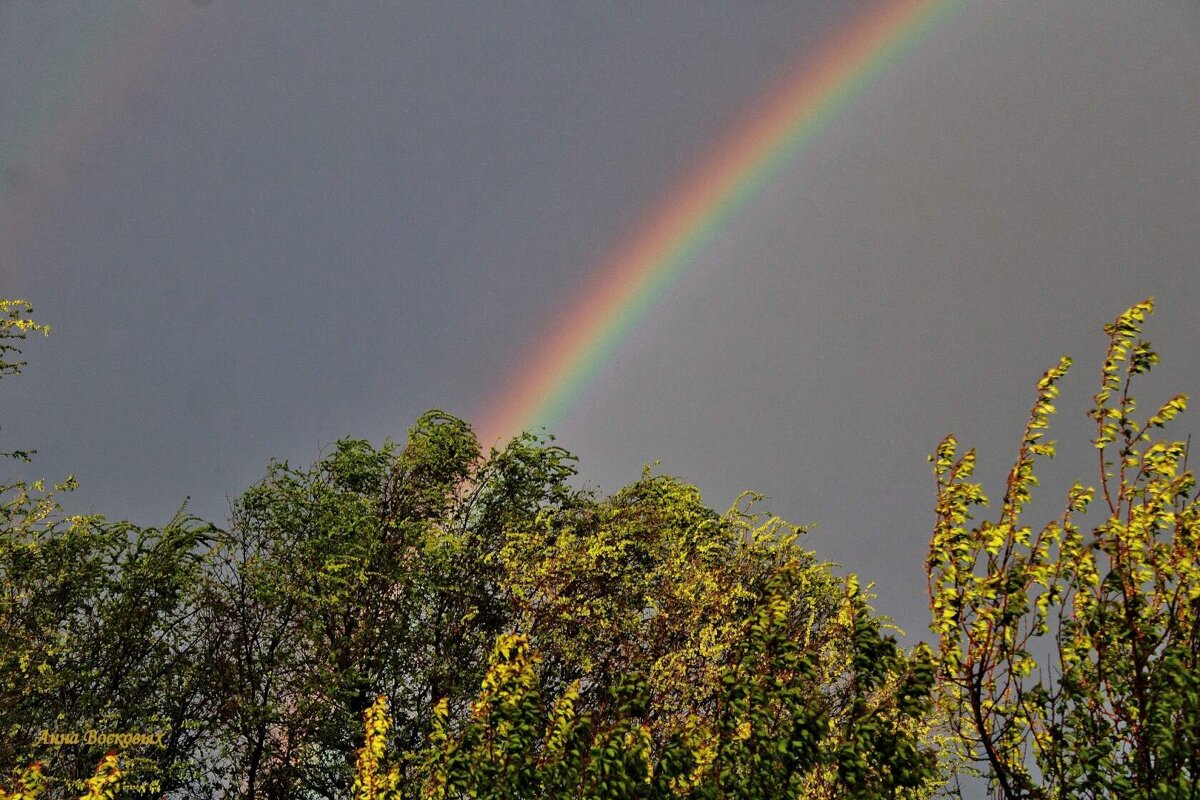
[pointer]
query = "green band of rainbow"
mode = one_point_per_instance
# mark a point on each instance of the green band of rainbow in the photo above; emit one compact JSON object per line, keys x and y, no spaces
{"x":654,"y":259}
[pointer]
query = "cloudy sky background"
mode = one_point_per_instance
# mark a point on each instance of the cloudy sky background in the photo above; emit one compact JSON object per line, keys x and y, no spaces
{"x":292,"y":222}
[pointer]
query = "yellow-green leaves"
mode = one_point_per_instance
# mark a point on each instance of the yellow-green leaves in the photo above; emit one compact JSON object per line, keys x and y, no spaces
{"x":1021,"y":479}
{"x":28,"y":784}
{"x":770,"y":733}
{"x":652,"y":579}
{"x":15,"y":325}
{"x":105,"y":783}
{"x":31,"y":782}
{"x":370,"y":782}
{"x":1087,"y":715}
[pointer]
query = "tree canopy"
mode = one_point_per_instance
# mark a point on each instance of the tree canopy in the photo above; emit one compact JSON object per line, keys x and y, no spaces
{"x":423,"y":619}
{"x":1071,"y":657}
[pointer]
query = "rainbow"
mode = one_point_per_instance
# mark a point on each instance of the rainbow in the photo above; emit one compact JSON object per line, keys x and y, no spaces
{"x":85,"y":96}
{"x":629,"y":284}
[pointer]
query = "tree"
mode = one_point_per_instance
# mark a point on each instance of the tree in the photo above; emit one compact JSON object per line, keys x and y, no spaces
{"x":97,"y":626}
{"x":392,"y":572}
{"x":1071,"y":659}
{"x":30,"y":783}
{"x":652,"y":579}
{"x":372,"y":572}
{"x":16,"y":323}
{"x":97,"y":634}
{"x":768,"y":735}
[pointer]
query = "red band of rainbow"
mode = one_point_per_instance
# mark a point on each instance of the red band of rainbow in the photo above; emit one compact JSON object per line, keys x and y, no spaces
{"x":658,"y":253}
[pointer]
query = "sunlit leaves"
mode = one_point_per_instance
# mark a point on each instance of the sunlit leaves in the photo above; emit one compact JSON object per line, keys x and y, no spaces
{"x":1085,"y":716}
{"x":16,"y":323}
{"x":770,"y":736}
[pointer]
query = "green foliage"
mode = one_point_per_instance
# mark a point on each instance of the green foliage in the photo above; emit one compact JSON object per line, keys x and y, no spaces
{"x":678,"y":644}
{"x":96,"y":634}
{"x":769,"y":736}
{"x":96,"y":625}
{"x":372,"y":572}
{"x":104,"y":783}
{"x":15,"y":326}
{"x":391,"y":572}
{"x":1071,"y":660}
{"x":651,"y":579}
{"x":28,"y":784}
{"x":370,"y":781}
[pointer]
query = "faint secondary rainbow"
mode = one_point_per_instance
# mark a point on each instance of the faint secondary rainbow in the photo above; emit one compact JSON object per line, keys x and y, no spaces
{"x":82,"y":97}
{"x":653,"y":259}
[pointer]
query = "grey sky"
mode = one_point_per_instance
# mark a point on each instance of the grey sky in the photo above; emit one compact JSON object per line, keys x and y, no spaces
{"x":311,"y":220}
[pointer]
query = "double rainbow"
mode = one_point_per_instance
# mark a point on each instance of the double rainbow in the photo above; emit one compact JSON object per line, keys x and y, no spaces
{"x":623,"y":290}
